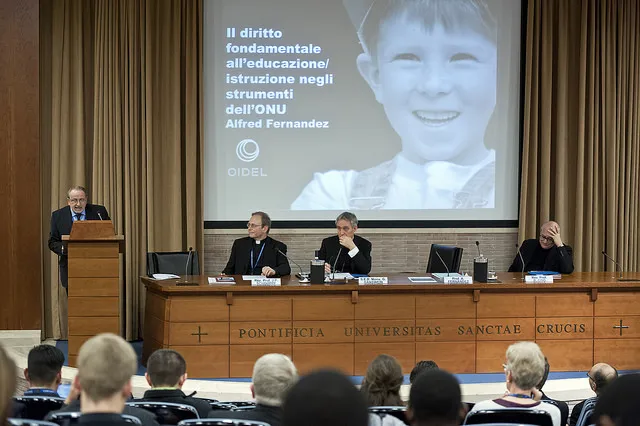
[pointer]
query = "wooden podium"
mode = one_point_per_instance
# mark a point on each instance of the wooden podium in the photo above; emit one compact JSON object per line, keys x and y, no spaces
{"x":94,"y":285}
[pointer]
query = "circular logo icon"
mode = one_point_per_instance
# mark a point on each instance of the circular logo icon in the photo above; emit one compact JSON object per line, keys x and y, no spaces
{"x":247,"y":150}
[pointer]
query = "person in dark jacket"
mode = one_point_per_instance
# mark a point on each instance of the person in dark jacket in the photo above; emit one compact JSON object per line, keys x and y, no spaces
{"x":547,"y":253}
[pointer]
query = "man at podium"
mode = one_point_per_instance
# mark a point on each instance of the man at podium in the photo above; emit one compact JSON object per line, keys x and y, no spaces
{"x":62,"y":220}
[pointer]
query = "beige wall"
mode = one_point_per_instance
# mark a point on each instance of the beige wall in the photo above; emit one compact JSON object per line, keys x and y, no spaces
{"x":394,"y":250}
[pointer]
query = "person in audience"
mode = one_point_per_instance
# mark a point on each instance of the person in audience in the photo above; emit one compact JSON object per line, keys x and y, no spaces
{"x":7,"y":385}
{"x":106,"y":363}
{"x":166,"y":374}
{"x":562,"y":406}
{"x":258,"y":254}
{"x":322,"y":398}
{"x":618,"y":404}
{"x":347,"y":251}
{"x":601,"y":376}
{"x":382,"y":381}
{"x":435,"y":399}
{"x":44,"y":371}
{"x":273,"y":376}
{"x":421,"y":367}
{"x":547,"y":253}
{"x":524,"y":368}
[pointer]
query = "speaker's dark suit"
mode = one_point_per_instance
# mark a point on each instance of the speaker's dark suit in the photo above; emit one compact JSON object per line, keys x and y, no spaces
{"x":61,"y":223}
{"x":240,"y":259}
{"x":359,"y":264}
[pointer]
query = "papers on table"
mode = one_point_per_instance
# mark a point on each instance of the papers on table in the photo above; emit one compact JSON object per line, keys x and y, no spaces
{"x":419,"y":280}
{"x":340,"y":276}
{"x":222,"y":280}
{"x":164,"y":276}
{"x":252,"y":277}
{"x":442,"y":275}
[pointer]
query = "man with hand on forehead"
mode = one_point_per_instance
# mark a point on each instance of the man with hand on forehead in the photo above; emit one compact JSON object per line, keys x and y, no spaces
{"x":547,"y":253}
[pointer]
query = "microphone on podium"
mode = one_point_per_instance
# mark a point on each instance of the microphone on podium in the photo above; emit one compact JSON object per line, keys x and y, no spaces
{"x":335,"y":263}
{"x":186,"y":271}
{"x":619,"y":267}
{"x":301,"y":275}
{"x":521,"y":259}
{"x":443,"y":262}
{"x":100,"y":216}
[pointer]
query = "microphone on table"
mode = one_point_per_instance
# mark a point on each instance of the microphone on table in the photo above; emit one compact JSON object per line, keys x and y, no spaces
{"x":100,"y":216}
{"x":443,"y":262}
{"x":335,"y":262}
{"x":618,"y":266}
{"x":478,"y":247}
{"x":302,"y":275}
{"x":186,"y":271}
{"x":521,"y":260}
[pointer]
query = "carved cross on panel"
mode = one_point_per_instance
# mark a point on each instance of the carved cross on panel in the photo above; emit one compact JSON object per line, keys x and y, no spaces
{"x":620,"y":327}
{"x":199,"y":334}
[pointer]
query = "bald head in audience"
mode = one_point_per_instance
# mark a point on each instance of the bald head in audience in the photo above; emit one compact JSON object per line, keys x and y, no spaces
{"x":600,"y":376}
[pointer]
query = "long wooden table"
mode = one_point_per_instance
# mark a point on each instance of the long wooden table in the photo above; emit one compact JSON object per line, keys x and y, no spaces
{"x":221,"y":330}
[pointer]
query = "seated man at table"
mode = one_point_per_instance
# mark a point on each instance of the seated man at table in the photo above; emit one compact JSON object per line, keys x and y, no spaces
{"x":547,"y":253}
{"x":347,"y":251}
{"x":258,"y":254}
{"x":273,"y":376}
{"x":166,"y":373}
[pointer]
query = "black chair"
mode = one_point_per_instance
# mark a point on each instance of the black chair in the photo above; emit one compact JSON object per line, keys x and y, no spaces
{"x":397,"y":412}
{"x":510,"y":415}
{"x":29,"y":422}
{"x":168,"y":413}
{"x":587,"y":410}
{"x":72,"y":417}
{"x":36,"y":407}
{"x":174,"y":262}
{"x":221,"y":406}
{"x":222,"y":422}
{"x":452,"y":256}
{"x":232,"y":405}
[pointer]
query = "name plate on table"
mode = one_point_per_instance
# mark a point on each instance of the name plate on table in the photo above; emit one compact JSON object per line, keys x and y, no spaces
{"x":538,"y":279}
{"x":266,"y":282}
{"x":463,"y":279}
{"x":373,"y":280}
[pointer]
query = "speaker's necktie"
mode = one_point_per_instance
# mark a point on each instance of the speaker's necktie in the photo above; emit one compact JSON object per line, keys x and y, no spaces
{"x":78,"y":216}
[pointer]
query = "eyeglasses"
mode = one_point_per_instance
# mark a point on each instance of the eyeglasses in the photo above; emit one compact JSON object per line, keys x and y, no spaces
{"x":253,"y":225}
{"x":549,"y":239}
{"x":505,"y":367}
{"x":590,"y":377}
{"x":77,"y":200}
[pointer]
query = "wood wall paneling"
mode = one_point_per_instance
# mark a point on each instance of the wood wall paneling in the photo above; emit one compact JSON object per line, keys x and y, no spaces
{"x":564,"y":305}
{"x":205,"y":361}
{"x":331,"y":355}
{"x":199,"y":309}
{"x":563,"y":355}
{"x":205,"y":333}
{"x":405,"y":353}
{"x":316,"y":307}
{"x":257,"y":308}
{"x":458,"y":356}
{"x":617,"y":304}
{"x":624,"y":354}
{"x":446,"y":306}
{"x":244,"y":356}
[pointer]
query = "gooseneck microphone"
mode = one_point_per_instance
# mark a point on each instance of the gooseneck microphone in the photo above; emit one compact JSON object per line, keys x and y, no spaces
{"x":186,"y":271}
{"x":521,"y":260}
{"x":335,"y":262}
{"x":478,"y":247}
{"x":443,"y":262}
{"x":302,"y":276}
{"x":100,"y":216}
{"x":618,"y":266}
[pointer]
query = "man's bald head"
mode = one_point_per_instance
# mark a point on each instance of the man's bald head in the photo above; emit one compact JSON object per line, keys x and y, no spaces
{"x":549,"y":225}
{"x":547,"y":231}
{"x":601,"y":375}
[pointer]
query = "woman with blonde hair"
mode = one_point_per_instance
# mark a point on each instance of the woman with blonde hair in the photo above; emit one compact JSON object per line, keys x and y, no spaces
{"x":7,"y":385}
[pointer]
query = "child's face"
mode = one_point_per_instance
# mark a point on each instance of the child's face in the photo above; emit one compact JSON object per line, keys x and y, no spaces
{"x":438,"y":88}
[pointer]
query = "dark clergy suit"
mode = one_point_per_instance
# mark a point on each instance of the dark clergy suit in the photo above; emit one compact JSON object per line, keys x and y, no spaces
{"x":359,"y":264}
{"x":262,"y":413}
{"x":178,"y":397}
{"x":61,"y":223}
{"x":557,"y":259}
{"x":240,"y":259}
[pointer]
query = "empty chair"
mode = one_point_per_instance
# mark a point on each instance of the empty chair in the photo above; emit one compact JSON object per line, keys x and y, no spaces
{"x":29,"y":422}
{"x":72,"y":417}
{"x":167,"y":413}
{"x":451,"y":256}
{"x":172,"y":263}
{"x":395,"y":411}
{"x":587,"y":411}
{"x":510,"y":415}
{"x":222,"y":422}
{"x":36,"y":407}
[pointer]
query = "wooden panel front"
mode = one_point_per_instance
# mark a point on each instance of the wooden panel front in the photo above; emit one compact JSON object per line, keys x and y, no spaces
{"x":609,"y":304}
{"x":331,"y":355}
{"x":564,"y":305}
{"x":617,"y":327}
{"x":572,"y":355}
{"x":323,"y":308}
{"x":205,"y":333}
{"x":388,"y":306}
{"x":156,"y":329}
{"x":260,"y":308}
{"x":94,"y":287}
{"x":156,"y":306}
{"x":564,"y":328}
{"x":90,"y":326}
{"x":490,"y":356}
{"x":505,"y":329}
{"x":75,"y":342}
{"x":441,"y":330}
{"x":260,"y":333}
{"x":624,"y":354}
{"x":199,"y":309}
{"x":87,"y":268}
{"x":384,"y":331}
{"x":445,"y":306}
{"x":405,"y":353}
{"x":242,"y":357}
{"x":451,"y":356}
{"x":506,"y":305}
{"x":205,"y":361}
{"x":323,"y":332}
{"x":93,"y":249}
{"x":93,"y":306}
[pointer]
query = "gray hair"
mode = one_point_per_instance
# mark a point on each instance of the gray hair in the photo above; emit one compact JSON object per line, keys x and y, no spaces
{"x":525,"y":360}
{"x":264,"y":218}
{"x":348,"y":216}
{"x":273,"y":376}
{"x":77,"y":188}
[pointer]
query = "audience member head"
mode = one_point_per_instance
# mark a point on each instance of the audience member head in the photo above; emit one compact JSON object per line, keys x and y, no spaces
{"x":618,"y":403}
{"x":166,"y":368}
{"x":435,"y":399}
{"x":600,"y":376}
{"x":7,"y":385}
{"x":382,"y":381}
{"x":273,"y":376}
{"x":44,"y":367}
{"x":545,"y":375}
{"x":106,"y":363}
{"x":421,"y":367}
{"x":323,"y":398}
{"x":524,"y":366}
